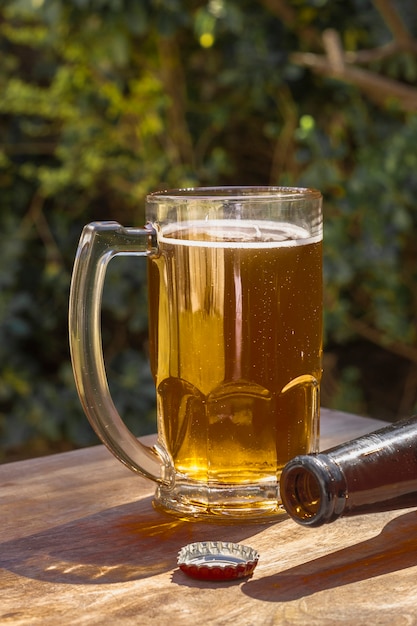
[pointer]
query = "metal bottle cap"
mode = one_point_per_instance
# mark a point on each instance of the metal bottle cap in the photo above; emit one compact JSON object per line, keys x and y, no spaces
{"x":217,"y":560}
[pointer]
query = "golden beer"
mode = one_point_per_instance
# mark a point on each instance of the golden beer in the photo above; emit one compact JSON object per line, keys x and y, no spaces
{"x":235,"y":344}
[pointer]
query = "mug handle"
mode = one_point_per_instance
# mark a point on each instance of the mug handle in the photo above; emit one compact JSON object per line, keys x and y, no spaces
{"x":99,"y":243}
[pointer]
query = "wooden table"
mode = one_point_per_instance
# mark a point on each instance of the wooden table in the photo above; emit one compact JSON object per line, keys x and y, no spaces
{"x":81,"y":544}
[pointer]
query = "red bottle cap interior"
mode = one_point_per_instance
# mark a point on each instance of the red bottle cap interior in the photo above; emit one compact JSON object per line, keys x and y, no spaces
{"x":217,"y":560}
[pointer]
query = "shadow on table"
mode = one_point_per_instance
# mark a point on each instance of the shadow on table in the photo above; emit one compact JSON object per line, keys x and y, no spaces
{"x":127,"y":542}
{"x":395,"y":548}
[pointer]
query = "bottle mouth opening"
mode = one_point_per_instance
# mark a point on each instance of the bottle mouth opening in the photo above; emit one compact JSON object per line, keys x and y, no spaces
{"x":302,"y":494}
{"x":313,"y":489}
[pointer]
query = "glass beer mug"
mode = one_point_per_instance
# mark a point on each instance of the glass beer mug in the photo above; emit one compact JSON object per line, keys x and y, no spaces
{"x":235,"y":337}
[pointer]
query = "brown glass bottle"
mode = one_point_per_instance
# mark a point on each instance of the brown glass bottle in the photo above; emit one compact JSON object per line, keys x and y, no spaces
{"x":376,"y":472}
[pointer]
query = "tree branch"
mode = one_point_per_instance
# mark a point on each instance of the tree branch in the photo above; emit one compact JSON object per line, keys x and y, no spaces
{"x":181,"y":145}
{"x":394,"y":22}
{"x":341,"y":65}
{"x":333,"y":47}
{"x":288,"y":16}
{"x":35,"y":217}
{"x":280,"y":8}
{"x":374,"y":54}
{"x":379,"y":88}
{"x":378,"y":337}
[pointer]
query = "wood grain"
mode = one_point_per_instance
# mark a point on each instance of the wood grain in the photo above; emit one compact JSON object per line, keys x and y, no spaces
{"x":81,"y":544}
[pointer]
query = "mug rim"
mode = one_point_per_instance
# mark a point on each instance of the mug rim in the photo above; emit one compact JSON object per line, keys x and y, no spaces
{"x":241,"y":193}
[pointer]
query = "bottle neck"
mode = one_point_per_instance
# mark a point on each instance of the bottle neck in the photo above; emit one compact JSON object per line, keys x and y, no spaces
{"x":313,"y":489}
{"x":375,"y":472}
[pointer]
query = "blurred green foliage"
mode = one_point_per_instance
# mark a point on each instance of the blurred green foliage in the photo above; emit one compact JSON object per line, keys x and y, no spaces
{"x":103,"y":101}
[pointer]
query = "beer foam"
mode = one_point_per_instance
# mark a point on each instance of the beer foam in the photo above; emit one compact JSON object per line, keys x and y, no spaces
{"x":237,"y":234}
